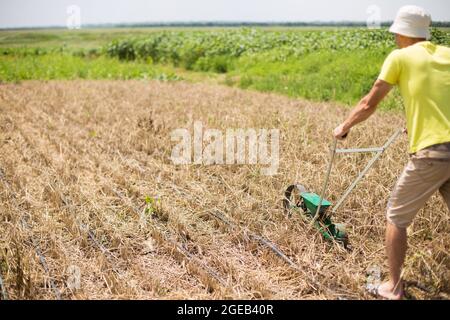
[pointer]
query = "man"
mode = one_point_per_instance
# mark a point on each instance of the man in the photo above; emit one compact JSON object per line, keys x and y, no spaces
{"x":422,"y":72}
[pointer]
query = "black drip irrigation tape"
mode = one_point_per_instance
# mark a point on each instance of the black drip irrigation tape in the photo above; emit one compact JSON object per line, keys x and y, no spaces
{"x":212,"y":273}
{"x":37,"y":250}
{"x":267,"y":243}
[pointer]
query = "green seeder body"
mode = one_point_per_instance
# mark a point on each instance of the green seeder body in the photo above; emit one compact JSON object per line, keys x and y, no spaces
{"x":323,"y":223}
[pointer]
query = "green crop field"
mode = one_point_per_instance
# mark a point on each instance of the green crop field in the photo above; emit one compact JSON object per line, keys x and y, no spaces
{"x":321,"y":64}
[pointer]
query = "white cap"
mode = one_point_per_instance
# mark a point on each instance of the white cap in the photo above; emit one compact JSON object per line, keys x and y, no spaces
{"x":413,"y":22}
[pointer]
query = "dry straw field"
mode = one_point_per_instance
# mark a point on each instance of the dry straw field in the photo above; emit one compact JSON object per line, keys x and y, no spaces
{"x":79,"y":159}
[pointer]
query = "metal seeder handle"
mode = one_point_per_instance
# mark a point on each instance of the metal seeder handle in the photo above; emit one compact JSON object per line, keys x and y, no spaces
{"x":379,"y":151}
{"x":327,"y":177}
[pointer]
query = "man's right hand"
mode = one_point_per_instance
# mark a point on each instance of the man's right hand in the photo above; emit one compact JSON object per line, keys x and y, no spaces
{"x":340,"y":133}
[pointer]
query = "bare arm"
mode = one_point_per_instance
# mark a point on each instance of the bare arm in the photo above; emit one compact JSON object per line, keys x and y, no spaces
{"x":365,"y":108}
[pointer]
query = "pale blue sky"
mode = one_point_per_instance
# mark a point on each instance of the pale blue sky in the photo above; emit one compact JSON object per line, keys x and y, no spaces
{"x":25,"y":13}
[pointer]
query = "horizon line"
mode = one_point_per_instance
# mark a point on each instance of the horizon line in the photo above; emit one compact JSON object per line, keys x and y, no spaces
{"x":214,"y":22}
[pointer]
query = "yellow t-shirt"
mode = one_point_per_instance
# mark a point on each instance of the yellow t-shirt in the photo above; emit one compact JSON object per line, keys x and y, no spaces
{"x":422,"y":72}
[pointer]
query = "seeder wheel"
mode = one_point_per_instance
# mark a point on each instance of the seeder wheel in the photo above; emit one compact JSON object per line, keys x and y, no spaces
{"x":340,"y":234}
{"x":293,"y":200}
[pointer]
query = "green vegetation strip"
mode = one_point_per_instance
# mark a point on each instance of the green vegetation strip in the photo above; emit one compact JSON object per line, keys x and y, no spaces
{"x":323,"y":65}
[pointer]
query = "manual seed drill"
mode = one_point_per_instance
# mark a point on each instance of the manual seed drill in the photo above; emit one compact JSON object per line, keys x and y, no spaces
{"x":316,"y":208}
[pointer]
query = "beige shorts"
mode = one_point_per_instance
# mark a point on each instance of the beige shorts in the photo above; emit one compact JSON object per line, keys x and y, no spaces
{"x":426,"y":172}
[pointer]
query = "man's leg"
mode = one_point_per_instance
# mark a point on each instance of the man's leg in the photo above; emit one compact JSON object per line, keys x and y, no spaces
{"x":419,"y":180}
{"x":396,"y":251}
{"x":445,"y":192}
